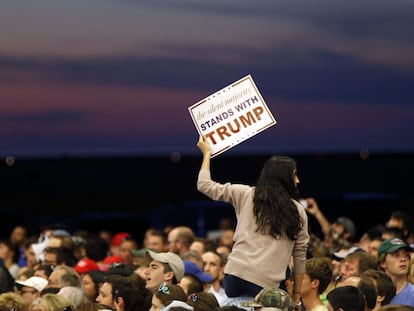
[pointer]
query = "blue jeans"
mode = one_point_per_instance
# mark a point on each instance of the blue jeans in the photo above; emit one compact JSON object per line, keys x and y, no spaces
{"x":237,"y":287}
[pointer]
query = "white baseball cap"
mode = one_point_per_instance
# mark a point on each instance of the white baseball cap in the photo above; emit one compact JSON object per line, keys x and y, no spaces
{"x":173,"y":260}
{"x":36,"y":282}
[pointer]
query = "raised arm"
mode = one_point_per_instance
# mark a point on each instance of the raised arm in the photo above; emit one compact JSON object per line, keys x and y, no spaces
{"x":204,"y":147}
{"x":314,"y":210}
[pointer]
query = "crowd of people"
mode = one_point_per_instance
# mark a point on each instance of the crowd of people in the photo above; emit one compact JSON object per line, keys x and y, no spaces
{"x":268,"y":260}
{"x":59,"y":270}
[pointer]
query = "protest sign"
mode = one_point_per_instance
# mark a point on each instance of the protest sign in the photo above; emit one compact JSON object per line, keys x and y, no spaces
{"x":231,"y":115}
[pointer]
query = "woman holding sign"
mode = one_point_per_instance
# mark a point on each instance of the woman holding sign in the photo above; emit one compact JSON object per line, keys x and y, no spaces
{"x":271,"y":227}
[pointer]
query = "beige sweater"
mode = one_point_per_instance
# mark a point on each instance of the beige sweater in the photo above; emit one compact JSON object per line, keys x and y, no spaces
{"x":256,"y":258}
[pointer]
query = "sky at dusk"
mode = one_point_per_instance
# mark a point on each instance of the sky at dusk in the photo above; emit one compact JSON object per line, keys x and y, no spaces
{"x":86,"y":77}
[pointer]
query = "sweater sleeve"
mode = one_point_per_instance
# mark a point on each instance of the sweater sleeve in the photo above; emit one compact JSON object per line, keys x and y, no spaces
{"x":220,"y":192}
{"x":301,"y":244}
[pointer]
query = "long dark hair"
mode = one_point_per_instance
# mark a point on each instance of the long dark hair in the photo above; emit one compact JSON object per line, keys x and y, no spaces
{"x":275,"y":212}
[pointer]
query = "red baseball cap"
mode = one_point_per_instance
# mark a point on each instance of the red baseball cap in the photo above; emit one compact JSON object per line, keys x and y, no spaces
{"x":86,"y":265}
{"x":119,"y":237}
{"x":112,"y":259}
{"x":109,"y":260}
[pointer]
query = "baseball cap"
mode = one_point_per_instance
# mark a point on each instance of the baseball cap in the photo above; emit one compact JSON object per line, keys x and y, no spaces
{"x":61,"y":233}
{"x":392,"y":245}
{"x":271,"y":297}
{"x":173,"y":260}
{"x":35,"y":282}
{"x":348,"y":225}
{"x":118,"y":238}
{"x":138,"y":252}
{"x":110,"y":260}
{"x":85,"y":265}
{"x":120,"y":269}
{"x":341,"y":254}
{"x":191,"y":268}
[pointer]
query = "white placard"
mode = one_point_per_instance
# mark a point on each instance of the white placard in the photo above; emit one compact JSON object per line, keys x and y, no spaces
{"x":231,"y":115}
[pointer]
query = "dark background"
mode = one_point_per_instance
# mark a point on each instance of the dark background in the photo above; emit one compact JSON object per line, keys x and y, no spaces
{"x":133,"y":193}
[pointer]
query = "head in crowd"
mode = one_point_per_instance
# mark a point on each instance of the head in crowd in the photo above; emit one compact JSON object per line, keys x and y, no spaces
{"x":96,"y":248}
{"x":120,"y":268}
{"x":194,"y":279}
{"x":318,"y":269}
{"x":115,"y":247}
{"x":91,"y":282}
{"x":355,"y":263}
{"x":271,"y":297}
{"x":214,"y":265}
{"x":201,"y":245}
{"x":156,"y":240}
{"x":62,"y":276}
{"x":193,"y":269}
{"x":76,"y":295}
{"x":194,"y":257}
{"x":367,"y":287}
{"x":180,"y":239}
{"x":203,"y":301}
{"x":166,"y":294}
{"x":403,"y":220}
{"x":341,"y":233}
{"x":164,"y":267}
{"x":393,"y":246}
{"x":31,"y":288}
{"x":44,"y":270}
{"x":12,"y":302}
{"x":86,"y":265}
{"x":386,"y":289}
{"x":52,"y":302}
{"x":190,"y":284}
{"x":125,"y":292}
{"x":346,"y":298}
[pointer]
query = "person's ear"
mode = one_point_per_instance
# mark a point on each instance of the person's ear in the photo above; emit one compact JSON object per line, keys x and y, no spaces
{"x":315,"y":283}
{"x":169,"y":276}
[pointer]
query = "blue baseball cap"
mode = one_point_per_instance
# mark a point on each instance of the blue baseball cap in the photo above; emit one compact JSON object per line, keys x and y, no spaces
{"x":191,"y":268}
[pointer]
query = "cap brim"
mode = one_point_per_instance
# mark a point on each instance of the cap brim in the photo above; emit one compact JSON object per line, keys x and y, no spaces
{"x":397,"y":247}
{"x":204,"y":277}
{"x":19,"y":285}
{"x":251,"y":304}
{"x":138,"y":252}
{"x":151,"y":255}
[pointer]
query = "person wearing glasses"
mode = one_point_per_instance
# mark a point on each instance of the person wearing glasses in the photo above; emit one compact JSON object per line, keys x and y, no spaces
{"x":271,"y":230}
{"x":30,"y":289}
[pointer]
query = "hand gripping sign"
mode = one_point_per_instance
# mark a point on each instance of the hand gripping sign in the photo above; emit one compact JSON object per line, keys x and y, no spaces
{"x":231,"y":115}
